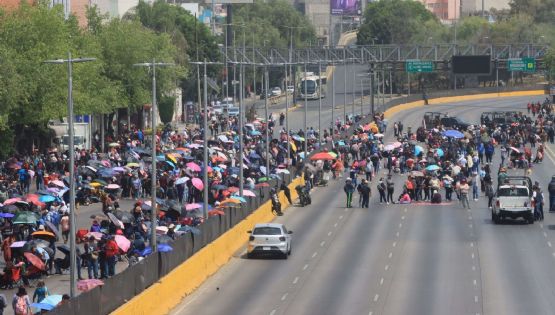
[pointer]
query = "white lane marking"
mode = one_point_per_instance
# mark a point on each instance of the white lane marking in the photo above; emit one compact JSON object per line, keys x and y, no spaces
{"x":340,"y":217}
{"x":544,"y":234}
{"x":475,"y":299}
{"x":295,"y":280}
{"x":403,"y":217}
{"x":405,"y":210}
{"x":305,"y":267}
{"x":386,"y":267}
{"x":376,"y":297}
{"x":553,"y":254}
{"x":397,"y":234}
{"x":541,"y":225}
{"x":400,"y":225}
{"x":473,"y":268}
{"x":472,"y":255}
{"x":394,"y":244}
{"x":335,"y":225}
{"x":272,"y":312}
{"x":549,"y":243}
{"x":470,"y":225}
{"x":468,"y":210}
{"x":322,"y":243}
{"x":314,"y":255}
{"x":471,"y":244}
{"x":284,"y":297}
{"x":329,"y":233}
{"x":346,"y":209}
{"x":381,"y":281}
{"x":390,"y":255}
{"x":470,"y":217}
{"x":475,"y":282}
{"x":370,"y":313}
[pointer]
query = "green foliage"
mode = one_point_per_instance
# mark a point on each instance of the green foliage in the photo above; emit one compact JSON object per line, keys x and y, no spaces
{"x":6,"y":143}
{"x":166,"y":108}
{"x":272,"y":23}
{"x":394,"y":21}
{"x":540,"y":10}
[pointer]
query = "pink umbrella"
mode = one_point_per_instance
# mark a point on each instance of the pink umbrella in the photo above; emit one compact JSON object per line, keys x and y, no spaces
{"x":112,"y":186}
{"x":11,"y":201}
{"x":105,"y":163}
{"x":193,"y":166}
{"x":88,"y":284}
{"x":58,"y":183}
{"x":123,"y":242}
{"x":192,"y":206}
{"x":97,"y":235}
{"x":248,"y":193}
{"x":197,"y":182}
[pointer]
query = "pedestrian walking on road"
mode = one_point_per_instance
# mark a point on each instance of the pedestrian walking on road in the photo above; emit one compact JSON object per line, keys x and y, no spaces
{"x":551,"y":189}
{"x":381,"y":190}
{"x":390,"y":189}
{"x":21,"y":304}
{"x":365,"y":193}
{"x":463,"y":190}
{"x":349,"y":189}
{"x":490,"y":194}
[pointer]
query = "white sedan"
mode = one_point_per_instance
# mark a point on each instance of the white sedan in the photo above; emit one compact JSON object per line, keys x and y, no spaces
{"x":269,"y":238}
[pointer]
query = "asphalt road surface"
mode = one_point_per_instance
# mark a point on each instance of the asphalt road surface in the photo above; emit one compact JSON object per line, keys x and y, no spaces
{"x":396,"y":259}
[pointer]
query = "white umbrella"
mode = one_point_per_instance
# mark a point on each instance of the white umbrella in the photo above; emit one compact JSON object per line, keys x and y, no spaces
{"x":181,"y":180}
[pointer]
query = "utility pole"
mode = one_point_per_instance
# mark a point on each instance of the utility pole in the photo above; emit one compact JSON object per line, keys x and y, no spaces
{"x":71,"y":131}
{"x":372,"y":74}
{"x":305,"y":115}
{"x":266,"y":85}
{"x":241,"y":113}
{"x":319,"y":104}
{"x":286,"y":121}
{"x":152,"y":65}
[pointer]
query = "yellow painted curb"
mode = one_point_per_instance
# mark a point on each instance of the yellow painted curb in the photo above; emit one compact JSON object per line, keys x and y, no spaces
{"x":452,"y":99}
{"x":163,"y":296}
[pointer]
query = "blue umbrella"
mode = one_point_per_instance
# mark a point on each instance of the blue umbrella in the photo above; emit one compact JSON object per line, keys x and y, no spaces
{"x":48,"y":303}
{"x":164,"y":248}
{"x":47,"y":198}
{"x":255,"y":133}
{"x":417,"y":150}
{"x":440,"y":152}
{"x":453,"y":134}
{"x":254,"y":156}
{"x":238,"y":198}
{"x":170,"y":163}
{"x":7,"y":215}
{"x":145,"y":252}
{"x":433,"y":168}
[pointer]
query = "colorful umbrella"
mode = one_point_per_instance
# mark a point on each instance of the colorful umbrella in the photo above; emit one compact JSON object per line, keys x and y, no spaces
{"x":43,"y":235}
{"x":35,"y":261}
{"x":193,"y":166}
{"x":215,"y":212}
{"x":192,"y":206}
{"x":88,"y":284}
{"x":123,"y":242}
{"x":58,"y":183}
{"x":239,"y":198}
{"x":26,"y":217}
{"x":453,"y":134}
{"x":433,"y":168}
{"x":112,"y":186}
{"x":18,"y":244}
{"x":48,"y":303}
{"x":326,"y":156}
{"x":181,"y":180}
{"x":11,"y":201}
{"x":164,"y":248}
{"x":97,"y":235}
{"x":197,"y":183}
{"x":248,"y":193}
{"x":47,"y":198}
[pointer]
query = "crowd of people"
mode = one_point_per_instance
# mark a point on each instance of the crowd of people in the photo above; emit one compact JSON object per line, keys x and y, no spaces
{"x":35,"y":207}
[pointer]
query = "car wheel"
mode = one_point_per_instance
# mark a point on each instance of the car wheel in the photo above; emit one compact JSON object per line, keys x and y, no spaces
{"x":284,"y":256}
{"x":530,"y":219}
{"x":250,"y":255}
{"x":494,"y":218}
{"x":289,"y":252}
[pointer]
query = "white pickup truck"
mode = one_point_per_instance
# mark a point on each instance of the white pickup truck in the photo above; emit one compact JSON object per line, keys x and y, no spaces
{"x":513,"y":199}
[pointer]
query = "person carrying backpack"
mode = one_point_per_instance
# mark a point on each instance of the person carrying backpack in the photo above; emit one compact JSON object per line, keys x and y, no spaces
{"x":21,"y":304}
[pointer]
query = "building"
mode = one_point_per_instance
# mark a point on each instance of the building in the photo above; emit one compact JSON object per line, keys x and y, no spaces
{"x":451,"y":10}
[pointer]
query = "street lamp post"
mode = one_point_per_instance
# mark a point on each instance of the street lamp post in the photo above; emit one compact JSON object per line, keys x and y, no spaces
{"x":286,"y":122}
{"x":266,"y":86}
{"x":332,"y":100}
{"x":319,"y":104}
{"x":304,"y":86}
{"x":152,"y":65}
{"x":72,"y":223}
{"x":241,"y":113}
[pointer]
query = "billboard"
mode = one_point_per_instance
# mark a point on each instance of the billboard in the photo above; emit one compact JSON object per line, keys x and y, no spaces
{"x":479,"y":64}
{"x":345,"y":7}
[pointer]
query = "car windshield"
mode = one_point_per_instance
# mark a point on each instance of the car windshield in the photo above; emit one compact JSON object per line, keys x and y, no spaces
{"x":266,"y":231}
{"x":512,"y":192}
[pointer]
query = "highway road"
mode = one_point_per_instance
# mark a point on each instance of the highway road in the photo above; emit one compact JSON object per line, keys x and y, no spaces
{"x":396,"y":259}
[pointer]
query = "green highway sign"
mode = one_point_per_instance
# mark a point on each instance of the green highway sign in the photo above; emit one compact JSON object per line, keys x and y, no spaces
{"x":415,"y":65}
{"x":522,"y":64}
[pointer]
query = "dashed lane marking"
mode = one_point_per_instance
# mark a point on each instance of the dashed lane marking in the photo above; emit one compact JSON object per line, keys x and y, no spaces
{"x":272,"y":312}
{"x":283,"y":297}
{"x":335,"y":225}
{"x":305,"y":267}
{"x":329,"y":233}
{"x":475,"y":299}
{"x":295,"y":280}
{"x":386,"y":267}
{"x":314,"y":255}
{"x":376,"y":297}
{"x":390,"y":255}
{"x":322,"y":243}
{"x":394,"y":244}
{"x":549,"y":244}
{"x":340,"y":217}
{"x":381,"y":281}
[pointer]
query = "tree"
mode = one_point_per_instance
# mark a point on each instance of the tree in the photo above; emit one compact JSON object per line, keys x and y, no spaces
{"x":166,"y":108}
{"x":393,"y":22}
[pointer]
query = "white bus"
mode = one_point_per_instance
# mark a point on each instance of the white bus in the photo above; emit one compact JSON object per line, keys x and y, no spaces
{"x":311,"y":89}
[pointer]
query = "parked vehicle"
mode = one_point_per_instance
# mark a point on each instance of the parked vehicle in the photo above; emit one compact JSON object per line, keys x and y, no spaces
{"x":513,"y":200}
{"x":269,"y":238}
{"x":233,"y":111}
{"x":276,"y":91}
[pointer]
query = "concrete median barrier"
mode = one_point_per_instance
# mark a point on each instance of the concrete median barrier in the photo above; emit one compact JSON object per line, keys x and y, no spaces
{"x":162,"y":296}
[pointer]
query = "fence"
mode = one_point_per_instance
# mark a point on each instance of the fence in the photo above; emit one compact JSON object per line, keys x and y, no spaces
{"x":135,"y":279}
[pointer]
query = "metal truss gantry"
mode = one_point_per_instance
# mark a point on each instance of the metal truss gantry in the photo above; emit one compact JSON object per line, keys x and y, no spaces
{"x":377,"y":53}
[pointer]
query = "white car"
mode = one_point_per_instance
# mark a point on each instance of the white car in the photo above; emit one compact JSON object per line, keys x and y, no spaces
{"x":290,"y":89}
{"x":269,"y":238}
{"x":276,"y":91}
{"x":233,"y":111}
